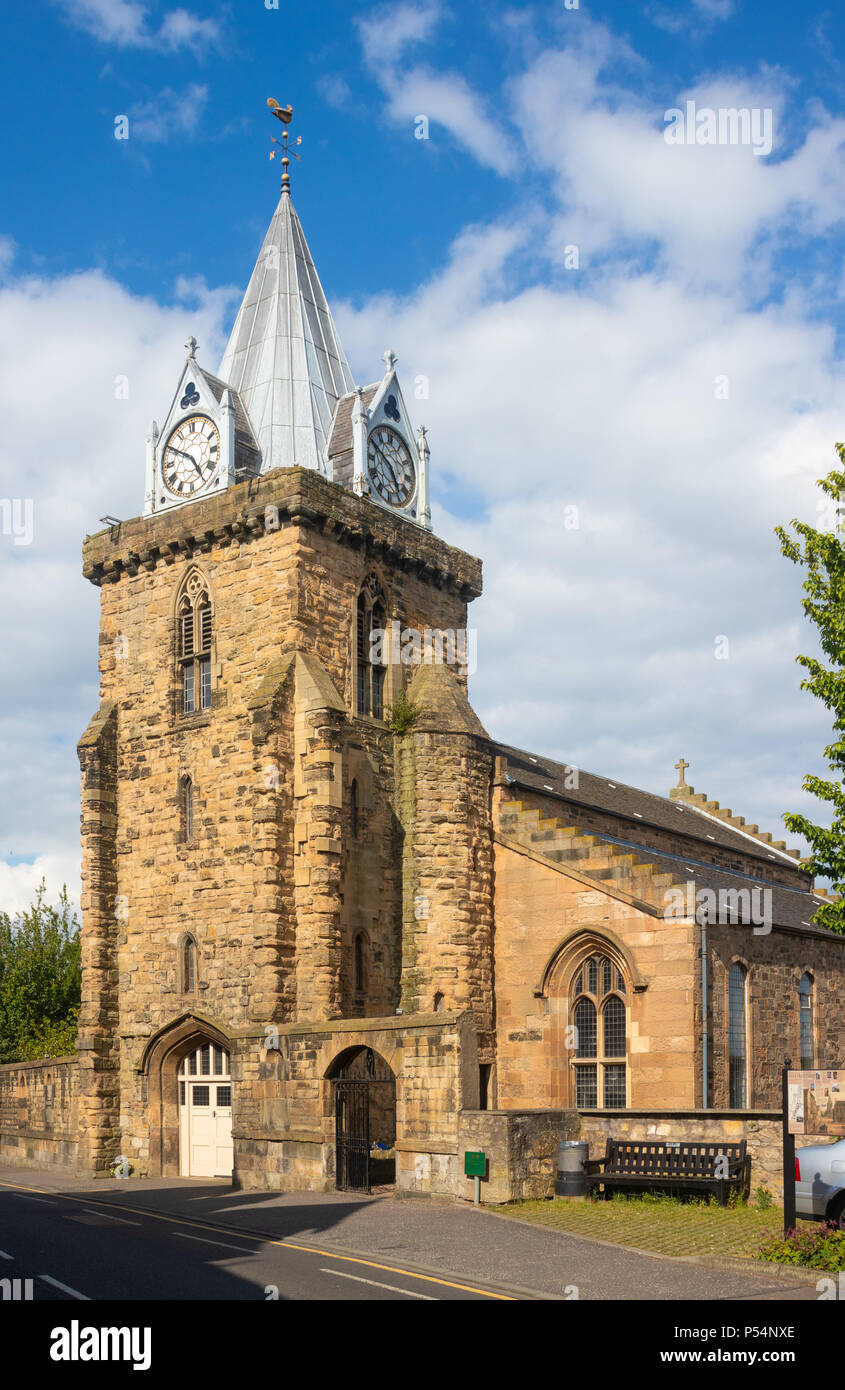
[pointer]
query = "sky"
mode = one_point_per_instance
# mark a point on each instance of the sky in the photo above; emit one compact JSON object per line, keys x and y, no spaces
{"x":628,"y":350}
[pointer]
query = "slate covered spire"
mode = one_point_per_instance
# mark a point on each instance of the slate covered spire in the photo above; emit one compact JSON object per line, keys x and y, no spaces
{"x":284,"y":356}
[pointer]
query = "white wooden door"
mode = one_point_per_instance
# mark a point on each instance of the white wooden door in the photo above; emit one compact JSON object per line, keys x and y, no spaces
{"x":205,"y":1094}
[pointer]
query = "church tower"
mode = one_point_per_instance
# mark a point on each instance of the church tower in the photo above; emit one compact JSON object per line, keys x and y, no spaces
{"x":276,"y":883}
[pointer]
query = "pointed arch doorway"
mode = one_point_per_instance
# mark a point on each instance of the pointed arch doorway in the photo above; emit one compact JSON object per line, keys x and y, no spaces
{"x":205,"y":1113}
{"x":364,"y":1106}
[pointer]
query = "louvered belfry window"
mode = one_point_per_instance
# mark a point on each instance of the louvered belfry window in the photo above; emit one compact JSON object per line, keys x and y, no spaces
{"x":370,"y":617}
{"x":194,"y":638}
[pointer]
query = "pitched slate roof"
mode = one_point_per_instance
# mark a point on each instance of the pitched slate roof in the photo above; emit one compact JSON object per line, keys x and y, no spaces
{"x":602,"y":794}
{"x":284,"y":356}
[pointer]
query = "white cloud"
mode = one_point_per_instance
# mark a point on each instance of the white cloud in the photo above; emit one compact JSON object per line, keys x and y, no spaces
{"x":449,"y":101}
{"x":598,"y":645}
{"x":75,"y":447}
{"x":446,"y":99}
{"x":19,"y":883}
{"x":392,"y":29}
{"x":168,"y":114}
{"x":334,"y":89}
{"x":126,"y":23}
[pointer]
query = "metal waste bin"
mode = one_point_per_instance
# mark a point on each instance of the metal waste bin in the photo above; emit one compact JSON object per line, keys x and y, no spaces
{"x":571,"y":1181}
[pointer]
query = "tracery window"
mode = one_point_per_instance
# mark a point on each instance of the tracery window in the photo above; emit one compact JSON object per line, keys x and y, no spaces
{"x":370,"y":670}
{"x":194,"y":633}
{"x":600,"y":1019}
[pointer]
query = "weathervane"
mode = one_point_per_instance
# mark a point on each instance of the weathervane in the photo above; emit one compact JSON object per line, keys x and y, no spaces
{"x":285,"y":115}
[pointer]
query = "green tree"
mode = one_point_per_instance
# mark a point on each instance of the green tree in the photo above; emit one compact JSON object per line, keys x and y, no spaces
{"x":822,"y":554}
{"x":40,"y":980}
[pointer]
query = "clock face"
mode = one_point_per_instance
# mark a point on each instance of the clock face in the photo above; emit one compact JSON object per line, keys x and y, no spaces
{"x":390,"y":466}
{"x":190,"y":456}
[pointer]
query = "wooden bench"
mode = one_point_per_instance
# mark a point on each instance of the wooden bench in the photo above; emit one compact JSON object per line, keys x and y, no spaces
{"x":655,"y":1164}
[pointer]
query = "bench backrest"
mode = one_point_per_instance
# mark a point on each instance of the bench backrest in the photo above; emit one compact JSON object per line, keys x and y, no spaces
{"x":657,"y":1158}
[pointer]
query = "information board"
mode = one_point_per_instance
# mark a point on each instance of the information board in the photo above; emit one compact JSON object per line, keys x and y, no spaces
{"x":817,"y":1102}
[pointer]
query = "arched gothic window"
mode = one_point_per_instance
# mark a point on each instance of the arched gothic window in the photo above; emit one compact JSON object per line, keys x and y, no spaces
{"x":600,"y":1019}
{"x":193,"y":638}
{"x":807,"y":1022}
{"x":188,"y":965}
{"x":187,"y":808}
{"x":370,"y":618}
{"x":738,"y":1036}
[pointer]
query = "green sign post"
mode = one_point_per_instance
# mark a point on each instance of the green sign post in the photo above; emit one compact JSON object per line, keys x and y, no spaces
{"x":475,"y":1167}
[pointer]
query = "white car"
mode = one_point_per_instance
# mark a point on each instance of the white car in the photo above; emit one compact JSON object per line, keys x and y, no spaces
{"x":820,"y":1182}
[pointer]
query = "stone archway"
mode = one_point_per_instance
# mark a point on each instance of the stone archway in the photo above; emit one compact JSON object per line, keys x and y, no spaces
{"x":364,"y":1109}
{"x":159,"y":1067}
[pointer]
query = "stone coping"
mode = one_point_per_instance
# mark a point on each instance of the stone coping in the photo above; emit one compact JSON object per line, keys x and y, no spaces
{"x":421,"y":1145}
{"x":39,"y":1062}
{"x":683,"y":1114}
{"x":355,"y":1025}
{"x":301,"y":498}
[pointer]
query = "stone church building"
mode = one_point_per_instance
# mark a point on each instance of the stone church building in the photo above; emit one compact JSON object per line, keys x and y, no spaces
{"x":331,"y":937}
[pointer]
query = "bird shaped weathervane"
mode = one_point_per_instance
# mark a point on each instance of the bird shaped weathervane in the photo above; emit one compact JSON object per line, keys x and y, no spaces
{"x":285,"y":115}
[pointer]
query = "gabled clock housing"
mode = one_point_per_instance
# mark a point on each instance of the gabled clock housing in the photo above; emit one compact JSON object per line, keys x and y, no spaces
{"x":357,"y":415}
{"x":200,"y":393}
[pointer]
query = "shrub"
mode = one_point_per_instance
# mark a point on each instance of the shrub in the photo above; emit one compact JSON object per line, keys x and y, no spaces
{"x":402,"y":714}
{"x":822,"y":1247}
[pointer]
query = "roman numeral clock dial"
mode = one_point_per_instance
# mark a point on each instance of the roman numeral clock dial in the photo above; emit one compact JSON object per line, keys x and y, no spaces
{"x":190,"y":456}
{"x":390,"y":466}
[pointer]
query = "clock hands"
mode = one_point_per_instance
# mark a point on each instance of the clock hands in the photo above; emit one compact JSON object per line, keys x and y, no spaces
{"x":388,"y":464}
{"x":189,"y":457}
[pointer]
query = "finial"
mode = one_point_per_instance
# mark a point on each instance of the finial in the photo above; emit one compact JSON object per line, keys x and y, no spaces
{"x":285,"y":115}
{"x":682,"y":767}
{"x":192,"y":346}
{"x":390,"y":359}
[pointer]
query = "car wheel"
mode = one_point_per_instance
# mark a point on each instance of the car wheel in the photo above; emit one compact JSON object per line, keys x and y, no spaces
{"x":836,"y":1213}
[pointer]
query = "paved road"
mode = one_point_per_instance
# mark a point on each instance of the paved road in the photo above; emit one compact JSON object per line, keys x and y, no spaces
{"x":182,"y":1239}
{"x":75,"y":1248}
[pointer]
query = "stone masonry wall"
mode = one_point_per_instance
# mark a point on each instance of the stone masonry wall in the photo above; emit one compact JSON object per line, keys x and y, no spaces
{"x":39,"y":1110}
{"x":539,"y":911}
{"x":443,"y":795}
{"x":283,"y":1124}
{"x":775,"y":964}
{"x":521,"y":1150}
{"x":762,"y":1130}
{"x":262,"y":885}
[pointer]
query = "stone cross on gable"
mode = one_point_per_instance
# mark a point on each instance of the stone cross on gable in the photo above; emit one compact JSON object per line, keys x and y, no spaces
{"x":192,"y":346}
{"x":682,"y":767}
{"x":390,"y":359}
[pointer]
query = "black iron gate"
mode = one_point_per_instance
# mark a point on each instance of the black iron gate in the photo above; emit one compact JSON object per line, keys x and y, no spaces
{"x":352,"y":1131}
{"x":354,"y":1167}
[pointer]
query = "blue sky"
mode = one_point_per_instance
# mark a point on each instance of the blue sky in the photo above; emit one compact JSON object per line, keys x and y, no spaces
{"x":552,"y":387}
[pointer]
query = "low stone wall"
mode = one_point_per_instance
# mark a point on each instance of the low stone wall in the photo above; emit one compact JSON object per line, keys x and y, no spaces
{"x":38,"y":1113}
{"x":761,"y":1128}
{"x":284,"y":1122}
{"x":521,"y":1149}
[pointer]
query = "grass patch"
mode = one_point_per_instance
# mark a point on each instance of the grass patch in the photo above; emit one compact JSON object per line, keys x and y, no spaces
{"x":661,"y":1223}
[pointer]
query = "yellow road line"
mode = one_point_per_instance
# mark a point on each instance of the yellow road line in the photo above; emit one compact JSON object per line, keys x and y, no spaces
{"x":266,"y":1240}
